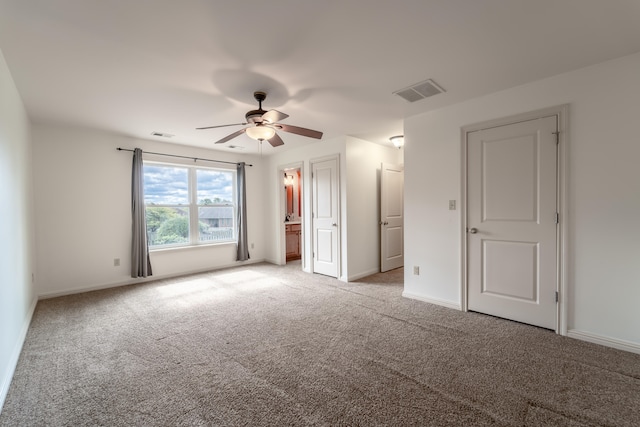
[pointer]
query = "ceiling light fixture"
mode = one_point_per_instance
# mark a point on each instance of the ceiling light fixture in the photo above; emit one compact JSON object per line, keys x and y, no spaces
{"x":261,"y":132}
{"x":397,"y":141}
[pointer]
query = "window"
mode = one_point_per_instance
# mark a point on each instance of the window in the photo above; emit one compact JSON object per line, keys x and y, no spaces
{"x":188,"y":205}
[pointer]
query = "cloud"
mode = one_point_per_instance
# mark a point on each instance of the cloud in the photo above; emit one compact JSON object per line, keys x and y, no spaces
{"x":169,"y":185}
{"x":166,"y":185}
{"x":215,"y":184}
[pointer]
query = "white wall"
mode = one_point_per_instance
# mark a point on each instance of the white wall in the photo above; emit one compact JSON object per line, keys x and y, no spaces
{"x":17,"y":295}
{"x":83,"y":204}
{"x":603,"y":194}
{"x":363,"y":165}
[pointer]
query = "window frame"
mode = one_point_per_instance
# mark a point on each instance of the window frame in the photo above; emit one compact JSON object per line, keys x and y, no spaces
{"x":193,"y":207}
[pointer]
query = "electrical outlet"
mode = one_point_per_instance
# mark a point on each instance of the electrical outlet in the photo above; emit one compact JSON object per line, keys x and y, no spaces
{"x":116,"y":262}
{"x":416,"y":270}
{"x":452,"y":205}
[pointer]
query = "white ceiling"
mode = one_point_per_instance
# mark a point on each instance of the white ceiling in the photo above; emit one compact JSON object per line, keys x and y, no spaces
{"x":139,"y":66}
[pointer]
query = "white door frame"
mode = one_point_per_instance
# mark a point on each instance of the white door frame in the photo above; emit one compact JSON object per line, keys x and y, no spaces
{"x":282,"y":255}
{"x":562,"y":113}
{"x":311,"y":219}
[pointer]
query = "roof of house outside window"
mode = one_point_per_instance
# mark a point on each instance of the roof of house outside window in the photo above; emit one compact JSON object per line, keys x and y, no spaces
{"x":215,"y":212}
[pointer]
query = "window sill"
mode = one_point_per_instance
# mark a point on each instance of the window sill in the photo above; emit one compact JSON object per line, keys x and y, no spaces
{"x":188,"y":247}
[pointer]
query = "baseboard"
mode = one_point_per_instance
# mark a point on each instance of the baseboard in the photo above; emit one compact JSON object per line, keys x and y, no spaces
{"x":443,"y":303}
{"x":361,"y":275}
{"x":15,"y":354}
{"x":132,"y":281}
{"x":629,"y":346}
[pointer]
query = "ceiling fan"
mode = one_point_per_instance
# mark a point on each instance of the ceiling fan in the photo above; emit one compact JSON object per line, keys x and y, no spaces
{"x":265,"y":124}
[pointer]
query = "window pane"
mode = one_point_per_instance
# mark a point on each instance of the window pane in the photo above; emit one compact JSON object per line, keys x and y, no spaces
{"x":214,"y":187}
{"x":167,"y":226}
{"x":166,"y":185}
{"x":215,"y":223}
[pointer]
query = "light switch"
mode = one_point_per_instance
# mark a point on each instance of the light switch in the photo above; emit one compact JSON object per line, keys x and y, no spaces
{"x":452,"y":205}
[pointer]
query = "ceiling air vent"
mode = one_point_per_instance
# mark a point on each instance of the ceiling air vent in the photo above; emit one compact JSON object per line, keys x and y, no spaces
{"x":164,"y":135}
{"x":419,"y":91}
{"x":236,"y":147}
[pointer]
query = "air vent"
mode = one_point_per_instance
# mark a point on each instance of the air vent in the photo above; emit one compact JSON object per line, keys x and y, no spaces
{"x":236,"y":147}
{"x":419,"y":91}
{"x":164,"y":135}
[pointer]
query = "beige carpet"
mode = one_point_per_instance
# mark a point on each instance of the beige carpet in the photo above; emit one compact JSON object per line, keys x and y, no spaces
{"x":273,"y":346}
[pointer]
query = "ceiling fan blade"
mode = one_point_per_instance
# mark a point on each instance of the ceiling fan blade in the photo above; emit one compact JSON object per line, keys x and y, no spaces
{"x":221,"y":126}
{"x":300,"y":131}
{"x":275,"y":141}
{"x":230,"y":137}
{"x":274,"y":116}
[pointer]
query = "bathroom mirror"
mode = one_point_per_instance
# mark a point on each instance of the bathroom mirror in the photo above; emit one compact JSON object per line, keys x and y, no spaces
{"x":292,"y":195}
{"x":289,"y":190}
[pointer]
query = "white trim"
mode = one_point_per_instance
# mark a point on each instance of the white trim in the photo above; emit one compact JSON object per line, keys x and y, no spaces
{"x":435,"y":301}
{"x":132,"y":281}
{"x":464,"y":304}
{"x":562,"y":113}
{"x":15,"y":354}
{"x":563,"y":207}
{"x":606,"y":341}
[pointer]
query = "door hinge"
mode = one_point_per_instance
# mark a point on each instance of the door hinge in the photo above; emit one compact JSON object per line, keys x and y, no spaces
{"x":557,"y":218}
{"x":557,"y":134}
{"x":557,"y":296}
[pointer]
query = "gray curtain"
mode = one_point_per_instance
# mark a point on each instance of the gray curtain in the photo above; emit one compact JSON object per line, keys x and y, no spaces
{"x":140,"y":263}
{"x":243,"y":247}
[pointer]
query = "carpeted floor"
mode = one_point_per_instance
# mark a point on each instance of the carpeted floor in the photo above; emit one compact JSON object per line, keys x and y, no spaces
{"x":273,"y":346}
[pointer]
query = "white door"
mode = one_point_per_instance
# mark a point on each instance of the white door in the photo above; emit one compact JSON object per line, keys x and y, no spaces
{"x":325,"y":217}
{"x":512,"y":221}
{"x":391,"y":217}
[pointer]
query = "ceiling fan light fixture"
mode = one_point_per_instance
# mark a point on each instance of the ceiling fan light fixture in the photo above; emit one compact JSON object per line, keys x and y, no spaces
{"x":397,"y":141}
{"x":260,"y":133}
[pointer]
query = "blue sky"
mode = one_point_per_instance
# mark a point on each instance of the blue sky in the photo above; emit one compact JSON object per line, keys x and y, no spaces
{"x":170,"y":185}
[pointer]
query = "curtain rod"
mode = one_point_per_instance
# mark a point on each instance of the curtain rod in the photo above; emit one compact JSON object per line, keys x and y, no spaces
{"x":185,"y":157}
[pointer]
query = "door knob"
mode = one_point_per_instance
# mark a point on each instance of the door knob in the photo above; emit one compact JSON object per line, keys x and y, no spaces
{"x":385,"y":223}
{"x":334,"y":224}
{"x":473,"y":230}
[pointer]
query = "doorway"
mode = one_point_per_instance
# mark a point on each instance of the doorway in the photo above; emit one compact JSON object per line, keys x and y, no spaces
{"x":512,"y":233}
{"x":291,"y":214}
{"x":292,"y":178}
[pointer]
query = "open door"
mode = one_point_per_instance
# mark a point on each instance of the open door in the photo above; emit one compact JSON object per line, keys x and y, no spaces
{"x":391,"y":217}
{"x":324,"y":177}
